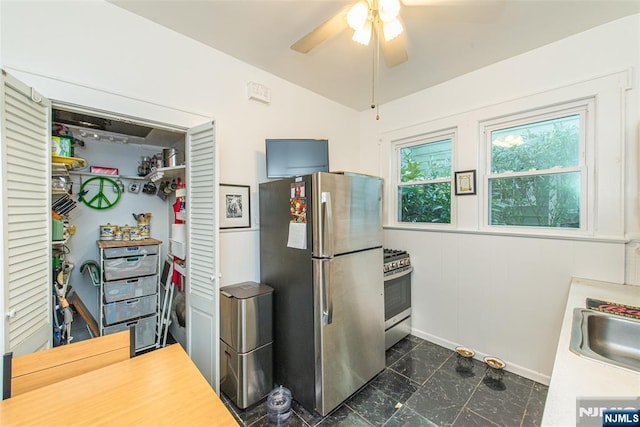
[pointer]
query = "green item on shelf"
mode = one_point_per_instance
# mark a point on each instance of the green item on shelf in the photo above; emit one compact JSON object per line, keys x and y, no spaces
{"x":57,"y":229}
{"x":61,"y":146}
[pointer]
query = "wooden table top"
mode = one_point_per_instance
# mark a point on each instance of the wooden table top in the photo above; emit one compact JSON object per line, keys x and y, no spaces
{"x":162,"y":387}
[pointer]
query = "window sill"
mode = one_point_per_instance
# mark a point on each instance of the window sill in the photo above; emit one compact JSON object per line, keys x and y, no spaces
{"x":557,"y":236}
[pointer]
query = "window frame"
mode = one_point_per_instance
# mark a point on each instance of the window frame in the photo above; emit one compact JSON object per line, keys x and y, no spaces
{"x":414,"y":140}
{"x":584,"y":108}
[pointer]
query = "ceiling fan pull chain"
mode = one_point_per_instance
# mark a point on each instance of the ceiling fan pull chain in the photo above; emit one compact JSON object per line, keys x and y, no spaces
{"x":376,"y":76}
{"x":373,"y":78}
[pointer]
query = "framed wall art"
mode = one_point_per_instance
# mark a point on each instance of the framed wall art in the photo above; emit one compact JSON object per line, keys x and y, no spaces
{"x":235,"y":206}
{"x":465,"y":182}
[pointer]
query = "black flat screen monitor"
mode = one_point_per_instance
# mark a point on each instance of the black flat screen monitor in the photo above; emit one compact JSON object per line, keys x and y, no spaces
{"x":295,"y":157}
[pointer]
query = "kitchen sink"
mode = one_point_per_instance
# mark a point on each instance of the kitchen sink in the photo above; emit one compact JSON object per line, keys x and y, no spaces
{"x":606,"y":337}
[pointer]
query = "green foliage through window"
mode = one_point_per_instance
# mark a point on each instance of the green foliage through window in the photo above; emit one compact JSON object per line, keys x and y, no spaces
{"x":425,"y":174}
{"x":535,"y":178}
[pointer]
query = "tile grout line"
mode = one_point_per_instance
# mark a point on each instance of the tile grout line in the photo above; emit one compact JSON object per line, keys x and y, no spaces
{"x":366,"y":420}
{"x":428,"y":378}
{"x":526,"y":405}
{"x":468,"y":400}
{"x":411,"y":380}
{"x":481,"y":416}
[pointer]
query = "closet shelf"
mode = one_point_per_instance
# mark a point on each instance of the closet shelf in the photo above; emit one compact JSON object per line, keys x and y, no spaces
{"x":165,"y":173}
{"x":71,"y":162}
{"x":156,"y":175}
{"x":131,"y":177}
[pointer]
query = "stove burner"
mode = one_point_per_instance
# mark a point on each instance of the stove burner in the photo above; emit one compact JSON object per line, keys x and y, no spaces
{"x":391,"y":254}
{"x":395,"y":260}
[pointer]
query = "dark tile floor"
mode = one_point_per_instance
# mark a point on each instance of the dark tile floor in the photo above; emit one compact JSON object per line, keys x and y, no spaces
{"x":79,"y":329}
{"x":421,"y":387}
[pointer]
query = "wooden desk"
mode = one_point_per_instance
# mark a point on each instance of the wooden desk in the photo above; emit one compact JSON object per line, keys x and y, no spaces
{"x":162,"y":387}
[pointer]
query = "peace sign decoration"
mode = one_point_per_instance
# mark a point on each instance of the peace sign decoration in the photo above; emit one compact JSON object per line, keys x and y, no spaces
{"x":95,"y":196}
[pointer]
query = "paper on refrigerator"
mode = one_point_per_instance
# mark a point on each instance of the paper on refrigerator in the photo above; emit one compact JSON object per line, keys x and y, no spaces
{"x":297,"y":235}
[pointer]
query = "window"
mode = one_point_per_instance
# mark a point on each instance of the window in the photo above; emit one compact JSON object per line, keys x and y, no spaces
{"x":424,"y":180}
{"x":536,"y":170}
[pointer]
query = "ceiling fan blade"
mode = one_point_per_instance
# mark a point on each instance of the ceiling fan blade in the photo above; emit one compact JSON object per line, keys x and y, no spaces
{"x":394,"y":51}
{"x":323,"y":32}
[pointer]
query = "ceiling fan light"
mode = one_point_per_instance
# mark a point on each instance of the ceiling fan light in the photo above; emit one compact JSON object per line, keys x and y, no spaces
{"x":363,"y":34}
{"x":391,"y":29}
{"x":358,"y":14}
{"x":388,"y":10}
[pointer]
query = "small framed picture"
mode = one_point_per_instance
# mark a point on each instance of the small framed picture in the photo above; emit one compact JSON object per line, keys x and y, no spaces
{"x":235,"y":206}
{"x":465,"y":182}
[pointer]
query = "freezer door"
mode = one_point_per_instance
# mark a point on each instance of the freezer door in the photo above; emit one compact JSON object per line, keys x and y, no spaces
{"x":349,"y":325}
{"x":348,"y":213}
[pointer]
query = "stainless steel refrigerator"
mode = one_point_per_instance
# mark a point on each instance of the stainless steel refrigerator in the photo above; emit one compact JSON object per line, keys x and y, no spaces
{"x":321,"y":251}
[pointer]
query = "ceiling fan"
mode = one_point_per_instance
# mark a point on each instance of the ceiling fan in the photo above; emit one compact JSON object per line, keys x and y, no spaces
{"x":367,"y":18}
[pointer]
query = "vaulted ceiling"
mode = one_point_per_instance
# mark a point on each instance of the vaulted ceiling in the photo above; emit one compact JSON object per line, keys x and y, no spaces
{"x":444,"y":38}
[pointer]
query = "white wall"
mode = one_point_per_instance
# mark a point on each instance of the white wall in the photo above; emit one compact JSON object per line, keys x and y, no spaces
{"x":504,"y":295}
{"x":96,"y":54}
{"x":509,"y":309}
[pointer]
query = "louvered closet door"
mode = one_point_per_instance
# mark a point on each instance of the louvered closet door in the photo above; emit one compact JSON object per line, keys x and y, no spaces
{"x":202,"y":257}
{"x":26,"y":163}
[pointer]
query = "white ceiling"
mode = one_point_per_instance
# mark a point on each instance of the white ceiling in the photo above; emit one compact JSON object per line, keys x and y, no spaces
{"x":445,"y":38}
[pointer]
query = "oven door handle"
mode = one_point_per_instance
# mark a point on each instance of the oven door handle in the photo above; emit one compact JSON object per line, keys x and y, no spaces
{"x":398,"y":275}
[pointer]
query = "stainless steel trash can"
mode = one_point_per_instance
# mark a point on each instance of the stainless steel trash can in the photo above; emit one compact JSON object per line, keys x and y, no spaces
{"x":246,"y":342}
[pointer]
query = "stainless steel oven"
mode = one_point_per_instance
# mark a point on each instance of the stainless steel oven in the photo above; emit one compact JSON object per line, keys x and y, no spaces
{"x":397,"y":295}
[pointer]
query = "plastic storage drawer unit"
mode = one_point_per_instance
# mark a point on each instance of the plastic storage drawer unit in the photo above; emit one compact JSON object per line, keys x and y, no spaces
{"x":145,"y":330}
{"x":130,"y":251}
{"x":132,"y":266}
{"x":130,"y":288}
{"x":119,"y":311}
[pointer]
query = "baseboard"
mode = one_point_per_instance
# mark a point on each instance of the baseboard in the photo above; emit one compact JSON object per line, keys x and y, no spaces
{"x":511,"y":367}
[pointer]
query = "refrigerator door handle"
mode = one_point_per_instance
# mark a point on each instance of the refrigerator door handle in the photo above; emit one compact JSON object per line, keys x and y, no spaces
{"x":327,"y":221}
{"x":327,"y":301}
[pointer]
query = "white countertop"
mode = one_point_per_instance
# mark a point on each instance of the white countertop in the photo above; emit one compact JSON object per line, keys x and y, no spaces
{"x":576,"y":376}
